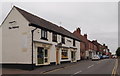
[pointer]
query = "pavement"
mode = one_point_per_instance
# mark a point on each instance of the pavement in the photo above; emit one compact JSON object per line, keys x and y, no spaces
{"x":86,"y":67}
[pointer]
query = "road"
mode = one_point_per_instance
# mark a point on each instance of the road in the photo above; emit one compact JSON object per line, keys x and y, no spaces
{"x":105,"y":66}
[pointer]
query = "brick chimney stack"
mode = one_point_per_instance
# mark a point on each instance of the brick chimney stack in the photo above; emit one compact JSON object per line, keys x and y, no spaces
{"x":85,"y":35}
{"x":78,"y":30}
{"x":103,"y":44}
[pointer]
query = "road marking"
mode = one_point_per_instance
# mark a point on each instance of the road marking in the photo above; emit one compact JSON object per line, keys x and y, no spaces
{"x":52,"y":70}
{"x":114,"y":71}
{"x":59,"y":69}
{"x":90,"y":66}
{"x":76,"y":73}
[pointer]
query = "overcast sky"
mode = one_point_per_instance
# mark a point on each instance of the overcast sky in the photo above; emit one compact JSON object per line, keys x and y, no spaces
{"x":98,"y":19}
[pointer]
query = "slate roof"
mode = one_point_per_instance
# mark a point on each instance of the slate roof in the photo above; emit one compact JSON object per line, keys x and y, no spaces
{"x":40,"y":22}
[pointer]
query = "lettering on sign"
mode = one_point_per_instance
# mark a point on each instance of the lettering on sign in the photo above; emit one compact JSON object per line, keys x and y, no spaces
{"x":13,"y":27}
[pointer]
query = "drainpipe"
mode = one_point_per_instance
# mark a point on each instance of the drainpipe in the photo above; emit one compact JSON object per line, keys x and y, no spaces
{"x":32,"y":31}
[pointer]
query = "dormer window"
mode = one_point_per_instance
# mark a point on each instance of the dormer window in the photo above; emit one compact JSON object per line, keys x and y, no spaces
{"x":44,"y":34}
{"x":54,"y":37}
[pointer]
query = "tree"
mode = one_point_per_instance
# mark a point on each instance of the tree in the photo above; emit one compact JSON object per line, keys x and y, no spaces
{"x":118,"y":51}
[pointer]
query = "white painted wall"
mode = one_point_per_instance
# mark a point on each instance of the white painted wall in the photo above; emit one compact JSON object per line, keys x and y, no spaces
{"x":52,"y":50}
{"x":15,"y":41}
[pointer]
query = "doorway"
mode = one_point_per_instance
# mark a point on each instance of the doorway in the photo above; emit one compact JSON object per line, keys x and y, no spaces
{"x":57,"y":56}
{"x":73,"y":56}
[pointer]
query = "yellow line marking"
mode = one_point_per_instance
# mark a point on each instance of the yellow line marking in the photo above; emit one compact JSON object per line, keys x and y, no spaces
{"x":114,"y":71}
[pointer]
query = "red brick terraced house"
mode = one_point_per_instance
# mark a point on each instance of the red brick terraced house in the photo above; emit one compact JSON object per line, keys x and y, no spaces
{"x":92,"y":49}
{"x":99,"y":47}
{"x":87,"y":47}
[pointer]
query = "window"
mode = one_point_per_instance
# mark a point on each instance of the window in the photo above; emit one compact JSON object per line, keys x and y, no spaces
{"x":43,"y":34}
{"x":73,"y":42}
{"x":54,"y":37}
{"x":64,"y":54}
{"x":63,"y":39}
{"x":42,"y":55}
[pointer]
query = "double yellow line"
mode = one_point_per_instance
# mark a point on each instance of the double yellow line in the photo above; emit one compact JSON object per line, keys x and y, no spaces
{"x":114,"y":71}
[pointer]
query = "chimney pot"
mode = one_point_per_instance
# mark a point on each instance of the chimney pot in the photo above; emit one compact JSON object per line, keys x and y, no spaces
{"x":85,"y":35}
{"x":78,"y":30}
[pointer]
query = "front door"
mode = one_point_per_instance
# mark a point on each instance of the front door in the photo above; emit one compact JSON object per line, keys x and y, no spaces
{"x":42,"y":55}
{"x":73,"y":56}
{"x":57,"y":56}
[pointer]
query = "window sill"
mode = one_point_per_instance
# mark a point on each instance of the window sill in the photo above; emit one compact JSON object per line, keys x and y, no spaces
{"x":54,"y":40}
{"x":44,"y":39}
{"x":64,"y":58}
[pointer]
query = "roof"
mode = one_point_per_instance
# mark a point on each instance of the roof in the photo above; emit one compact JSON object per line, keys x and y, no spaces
{"x":40,"y":22}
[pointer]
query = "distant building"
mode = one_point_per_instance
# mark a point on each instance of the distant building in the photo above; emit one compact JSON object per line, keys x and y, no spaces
{"x":88,"y":49}
{"x":99,"y":47}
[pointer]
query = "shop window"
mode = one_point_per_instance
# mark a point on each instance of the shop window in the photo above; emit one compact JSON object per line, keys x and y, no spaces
{"x":64,"y":54}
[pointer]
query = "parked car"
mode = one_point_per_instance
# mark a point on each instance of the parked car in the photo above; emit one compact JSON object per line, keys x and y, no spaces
{"x":95,"y":57}
{"x":105,"y":56}
{"x":114,"y":56}
{"x":101,"y":57}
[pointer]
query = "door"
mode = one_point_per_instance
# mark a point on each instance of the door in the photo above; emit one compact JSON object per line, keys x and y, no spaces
{"x":57,"y":56}
{"x":42,"y":55}
{"x":73,"y":56}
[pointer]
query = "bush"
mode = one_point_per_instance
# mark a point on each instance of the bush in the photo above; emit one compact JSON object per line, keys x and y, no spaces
{"x":118,"y":52}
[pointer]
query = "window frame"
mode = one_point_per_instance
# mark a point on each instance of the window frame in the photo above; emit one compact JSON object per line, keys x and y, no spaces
{"x":63,"y":39}
{"x":74,"y":43}
{"x":44,"y":34}
{"x":54,"y":37}
{"x":63,"y":50}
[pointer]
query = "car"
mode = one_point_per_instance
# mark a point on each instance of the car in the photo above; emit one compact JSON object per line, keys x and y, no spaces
{"x":101,"y":57}
{"x":114,"y":56}
{"x":105,"y":56}
{"x":95,"y":57}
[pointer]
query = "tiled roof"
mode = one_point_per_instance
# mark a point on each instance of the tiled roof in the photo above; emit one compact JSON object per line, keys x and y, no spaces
{"x":46,"y":24}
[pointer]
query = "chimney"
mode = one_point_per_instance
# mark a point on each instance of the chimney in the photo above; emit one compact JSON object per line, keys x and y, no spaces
{"x":78,"y":31}
{"x":95,"y":40}
{"x":85,"y":35}
{"x":103,"y":44}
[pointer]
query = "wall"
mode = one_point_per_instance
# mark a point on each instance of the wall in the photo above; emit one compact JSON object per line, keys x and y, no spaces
{"x":15,"y":41}
{"x":52,"y":49}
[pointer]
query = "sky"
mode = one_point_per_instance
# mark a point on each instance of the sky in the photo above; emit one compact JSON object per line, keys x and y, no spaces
{"x":99,"y":20}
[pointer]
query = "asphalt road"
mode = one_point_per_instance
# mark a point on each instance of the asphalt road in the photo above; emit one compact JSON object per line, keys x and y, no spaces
{"x":105,"y":66}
